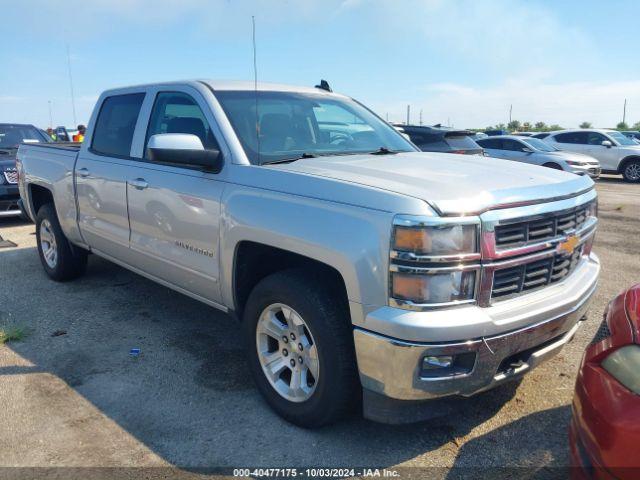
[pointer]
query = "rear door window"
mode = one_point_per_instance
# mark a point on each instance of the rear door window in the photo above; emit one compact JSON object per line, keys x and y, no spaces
{"x":491,"y":143}
{"x":116,"y":124}
{"x":578,"y":138}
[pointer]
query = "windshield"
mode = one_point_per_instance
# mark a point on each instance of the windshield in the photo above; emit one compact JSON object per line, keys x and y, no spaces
{"x":291,"y":124}
{"x":11,"y":136}
{"x":621,"y":138}
{"x":539,"y":145}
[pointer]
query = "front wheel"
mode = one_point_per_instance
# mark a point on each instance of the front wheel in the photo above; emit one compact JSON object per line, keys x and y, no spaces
{"x":631,"y":172}
{"x":300,"y":348}
{"x":59,"y":259}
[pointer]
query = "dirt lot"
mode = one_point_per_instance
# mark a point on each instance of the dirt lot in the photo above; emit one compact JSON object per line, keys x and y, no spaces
{"x":71,"y":395}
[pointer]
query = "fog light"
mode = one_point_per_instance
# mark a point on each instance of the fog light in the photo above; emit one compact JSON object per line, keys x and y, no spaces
{"x":432,"y":362}
{"x":447,"y":366}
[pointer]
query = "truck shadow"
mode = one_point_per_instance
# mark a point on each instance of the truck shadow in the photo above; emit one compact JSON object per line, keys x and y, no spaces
{"x":546,"y":435}
{"x":188,"y":395}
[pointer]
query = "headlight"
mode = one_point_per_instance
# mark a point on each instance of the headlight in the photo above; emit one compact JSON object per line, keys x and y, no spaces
{"x":434,"y":261}
{"x":436,"y":240}
{"x":434,"y":288}
{"x":576,"y":164}
{"x":624,"y":365}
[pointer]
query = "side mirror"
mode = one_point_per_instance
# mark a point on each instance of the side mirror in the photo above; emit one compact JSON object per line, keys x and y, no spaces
{"x":527,"y":150}
{"x":183,"y":150}
{"x":607,"y":143}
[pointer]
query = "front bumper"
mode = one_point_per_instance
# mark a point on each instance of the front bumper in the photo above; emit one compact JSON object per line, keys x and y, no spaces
{"x":592,"y":171}
{"x":524,"y":331}
{"x":9,"y":196}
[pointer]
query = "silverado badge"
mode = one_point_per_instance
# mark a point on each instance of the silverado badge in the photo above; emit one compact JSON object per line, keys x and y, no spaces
{"x":568,"y":245}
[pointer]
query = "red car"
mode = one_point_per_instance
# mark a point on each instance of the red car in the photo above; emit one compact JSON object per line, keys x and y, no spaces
{"x":605,"y":429}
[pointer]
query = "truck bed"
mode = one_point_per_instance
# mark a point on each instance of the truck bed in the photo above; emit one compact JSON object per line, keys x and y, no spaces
{"x":74,"y":146}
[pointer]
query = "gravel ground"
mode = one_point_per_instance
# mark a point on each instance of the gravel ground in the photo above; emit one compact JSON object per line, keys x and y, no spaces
{"x":72,"y":396}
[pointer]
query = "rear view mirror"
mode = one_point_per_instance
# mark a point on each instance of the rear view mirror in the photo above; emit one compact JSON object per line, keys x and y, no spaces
{"x":607,"y":143}
{"x":183,"y":149}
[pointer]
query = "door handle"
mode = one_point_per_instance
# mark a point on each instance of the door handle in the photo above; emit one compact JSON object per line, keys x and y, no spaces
{"x":83,"y":172}
{"x":139,"y":183}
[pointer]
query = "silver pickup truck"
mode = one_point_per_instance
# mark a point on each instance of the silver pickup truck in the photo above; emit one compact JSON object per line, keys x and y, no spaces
{"x":362,"y":271}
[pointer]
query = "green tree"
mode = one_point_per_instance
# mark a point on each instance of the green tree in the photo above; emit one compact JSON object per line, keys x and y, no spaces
{"x":500,"y":126}
{"x":636,"y":126}
{"x":622,"y":126}
{"x":554,"y":127}
{"x":513,"y":126}
{"x":527,"y":127}
{"x":540,"y":126}
{"x":585,"y":125}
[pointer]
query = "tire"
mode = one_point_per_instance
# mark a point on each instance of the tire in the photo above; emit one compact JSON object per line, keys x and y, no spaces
{"x":314,"y":300}
{"x":631,"y":171}
{"x":61,"y":261}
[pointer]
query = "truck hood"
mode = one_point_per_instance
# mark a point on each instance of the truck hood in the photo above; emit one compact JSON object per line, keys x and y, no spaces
{"x":452,"y":184}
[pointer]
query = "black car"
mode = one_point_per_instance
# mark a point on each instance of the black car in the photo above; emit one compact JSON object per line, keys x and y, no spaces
{"x":11,"y":136}
{"x":542,"y":135}
{"x":441,"y":139}
{"x":494,"y":133}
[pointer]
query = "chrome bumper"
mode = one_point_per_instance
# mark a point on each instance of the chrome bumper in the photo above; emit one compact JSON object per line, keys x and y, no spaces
{"x":392,"y":367}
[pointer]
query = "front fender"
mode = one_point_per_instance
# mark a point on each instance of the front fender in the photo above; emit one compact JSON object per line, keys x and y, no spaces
{"x":353,"y":240}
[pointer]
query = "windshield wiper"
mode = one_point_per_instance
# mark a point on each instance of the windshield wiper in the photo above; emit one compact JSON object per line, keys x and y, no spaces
{"x":290,"y":160}
{"x":383,"y":151}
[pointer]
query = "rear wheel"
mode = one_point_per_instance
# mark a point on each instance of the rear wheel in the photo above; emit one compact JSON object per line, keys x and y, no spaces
{"x":300,"y":347}
{"x":631,"y":171}
{"x":60,"y":260}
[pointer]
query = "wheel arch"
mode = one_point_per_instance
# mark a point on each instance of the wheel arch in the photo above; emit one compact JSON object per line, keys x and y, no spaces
{"x":554,"y":165}
{"x":254,"y":261}
{"x":625,"y":161}
{"x":39,"y":196}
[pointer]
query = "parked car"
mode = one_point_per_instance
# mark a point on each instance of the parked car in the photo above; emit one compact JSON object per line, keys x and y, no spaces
{"x":537,"y":152}
{"x":11,"y":136}
{"x":352,"y":259}
{"x":441,"y":139}
{"x":493,"y":133}
{"x":541,"y":135}
{"x":616,"y":152}
{"x":633,"y":134}
{"x":605,"y":426}
{"x":523,"y":134}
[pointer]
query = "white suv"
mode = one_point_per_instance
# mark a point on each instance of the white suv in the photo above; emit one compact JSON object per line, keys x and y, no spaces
{"x":616,"y":152}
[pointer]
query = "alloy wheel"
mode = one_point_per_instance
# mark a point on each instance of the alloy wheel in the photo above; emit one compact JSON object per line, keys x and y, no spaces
{"x":287,"y":352}
{"x":48,"y":244}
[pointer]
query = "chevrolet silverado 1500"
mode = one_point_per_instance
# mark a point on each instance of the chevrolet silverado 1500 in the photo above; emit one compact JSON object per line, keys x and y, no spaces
{"x":358,"y":267}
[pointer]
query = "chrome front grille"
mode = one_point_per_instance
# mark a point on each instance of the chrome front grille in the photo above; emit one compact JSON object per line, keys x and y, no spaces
{"x":514,"y":280}
{"x":11,"y":176}
{"x":519,"y":233}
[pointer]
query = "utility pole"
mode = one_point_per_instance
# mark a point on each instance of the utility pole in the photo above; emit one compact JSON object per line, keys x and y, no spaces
{"x":50,"y":115}
{"x":387,"y":117}
{"x":624,"y":112}
{"x":420,"y":116}
{"x":510,"y":112}
{"x":408,"y":113}
{"x":73,"y":100}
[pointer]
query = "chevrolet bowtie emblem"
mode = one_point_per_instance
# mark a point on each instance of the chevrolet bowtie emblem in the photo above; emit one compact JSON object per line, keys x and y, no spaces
{"x":568,"y":245}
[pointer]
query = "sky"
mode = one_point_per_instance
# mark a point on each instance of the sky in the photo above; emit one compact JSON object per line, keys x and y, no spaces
{"x":460,"y":62}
